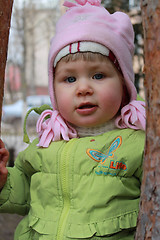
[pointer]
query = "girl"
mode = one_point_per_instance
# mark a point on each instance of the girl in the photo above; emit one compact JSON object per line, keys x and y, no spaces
{"x":81,"y":178}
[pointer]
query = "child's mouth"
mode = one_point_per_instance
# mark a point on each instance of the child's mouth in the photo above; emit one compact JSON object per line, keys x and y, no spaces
{"x":86,"y":108}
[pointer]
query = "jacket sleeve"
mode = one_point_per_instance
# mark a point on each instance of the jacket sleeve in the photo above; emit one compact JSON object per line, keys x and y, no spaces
{"x":15,"y":195}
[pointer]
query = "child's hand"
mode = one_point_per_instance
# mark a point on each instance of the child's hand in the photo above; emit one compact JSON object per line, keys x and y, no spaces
{"x":4,"y":156}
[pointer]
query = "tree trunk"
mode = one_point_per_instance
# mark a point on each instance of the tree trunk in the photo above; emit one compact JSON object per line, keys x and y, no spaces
{"x":5,"y":17}
{"x":149,"y":216}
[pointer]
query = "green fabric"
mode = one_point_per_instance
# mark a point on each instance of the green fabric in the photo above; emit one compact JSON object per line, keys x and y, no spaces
{"x":87,"y":188}
{"x":139,"y":98}
{"x":38,"y":110}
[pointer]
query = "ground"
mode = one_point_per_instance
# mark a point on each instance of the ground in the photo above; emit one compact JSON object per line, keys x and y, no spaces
{"x":8,"y":223}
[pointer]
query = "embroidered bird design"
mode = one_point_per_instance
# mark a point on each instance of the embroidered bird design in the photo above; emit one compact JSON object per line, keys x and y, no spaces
{"x":101,"y":157}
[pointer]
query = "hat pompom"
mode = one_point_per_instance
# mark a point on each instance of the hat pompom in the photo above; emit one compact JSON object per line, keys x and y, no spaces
{"x":82,"y":3}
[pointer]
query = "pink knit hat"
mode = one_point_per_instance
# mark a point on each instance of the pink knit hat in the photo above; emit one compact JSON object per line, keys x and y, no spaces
{"x":88,"y":21}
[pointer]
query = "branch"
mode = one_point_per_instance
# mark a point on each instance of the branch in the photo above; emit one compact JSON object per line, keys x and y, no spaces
{"x":5,"y":18}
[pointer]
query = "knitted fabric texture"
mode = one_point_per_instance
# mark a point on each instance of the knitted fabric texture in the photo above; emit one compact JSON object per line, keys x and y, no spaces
{"x":86,"y":47}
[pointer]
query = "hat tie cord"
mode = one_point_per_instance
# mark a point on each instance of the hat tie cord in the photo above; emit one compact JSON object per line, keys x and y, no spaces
{"x":132,"y":116}
{"x":53,"y":129}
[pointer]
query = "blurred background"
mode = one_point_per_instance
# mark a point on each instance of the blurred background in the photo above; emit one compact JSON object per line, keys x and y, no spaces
{"x":26,"y":79}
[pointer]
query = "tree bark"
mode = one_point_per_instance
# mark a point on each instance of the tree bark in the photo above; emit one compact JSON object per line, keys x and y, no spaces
{"x":149,"y":216}
{"x":5,"y":17}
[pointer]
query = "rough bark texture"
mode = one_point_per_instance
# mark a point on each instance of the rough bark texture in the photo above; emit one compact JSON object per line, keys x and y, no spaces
{"x":5,"y":16}
{"x":149,"y":217}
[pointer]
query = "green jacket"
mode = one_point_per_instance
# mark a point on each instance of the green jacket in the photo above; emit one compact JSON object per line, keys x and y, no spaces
{"x":77,"y":189}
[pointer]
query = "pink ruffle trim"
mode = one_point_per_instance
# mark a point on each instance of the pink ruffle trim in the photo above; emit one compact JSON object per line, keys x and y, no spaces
{"x":53,"y":129}
{"x":82,"y":3}
{"x":132,"y":116}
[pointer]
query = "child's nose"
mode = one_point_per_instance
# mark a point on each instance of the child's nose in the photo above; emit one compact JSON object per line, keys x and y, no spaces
{"x":84,"y":89}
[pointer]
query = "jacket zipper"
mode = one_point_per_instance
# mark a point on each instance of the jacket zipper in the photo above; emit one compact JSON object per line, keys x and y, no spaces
{"x":64,"y":178}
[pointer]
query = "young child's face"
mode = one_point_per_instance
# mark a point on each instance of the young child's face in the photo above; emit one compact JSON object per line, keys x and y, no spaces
{"x":88,"y":93}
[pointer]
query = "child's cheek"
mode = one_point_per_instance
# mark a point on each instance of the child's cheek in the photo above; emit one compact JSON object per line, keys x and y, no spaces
{"x":63,"y":104}
{"x":111,"y":100}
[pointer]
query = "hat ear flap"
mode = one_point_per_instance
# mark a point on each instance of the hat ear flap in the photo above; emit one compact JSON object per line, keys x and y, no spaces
{"x":124,"y":29}
{"x":125,"y":96}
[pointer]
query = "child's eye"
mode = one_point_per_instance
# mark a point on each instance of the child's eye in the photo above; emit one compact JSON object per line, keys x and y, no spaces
{"x":70,"y":79}
{"x":98,"y":76}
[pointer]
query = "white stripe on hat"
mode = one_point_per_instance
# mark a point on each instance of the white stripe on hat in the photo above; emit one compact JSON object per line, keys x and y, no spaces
{"x":81,"y":47}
